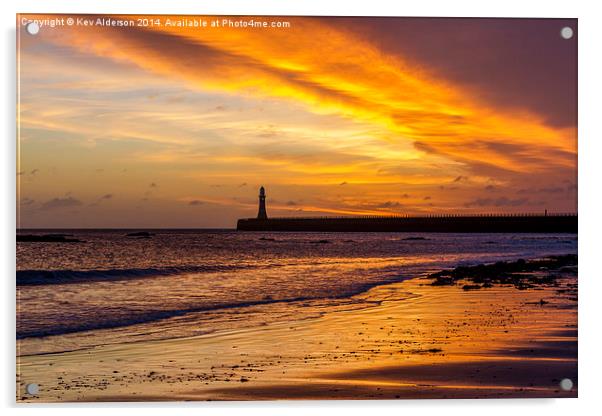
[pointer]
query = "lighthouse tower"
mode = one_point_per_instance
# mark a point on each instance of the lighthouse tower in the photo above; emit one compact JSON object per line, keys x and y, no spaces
{"x":262,"y":214}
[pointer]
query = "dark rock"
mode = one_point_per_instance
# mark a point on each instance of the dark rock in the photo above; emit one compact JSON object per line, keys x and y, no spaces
{"x":521,"y":274}
{"x":47,"y":238}
{"x":140,"y":234}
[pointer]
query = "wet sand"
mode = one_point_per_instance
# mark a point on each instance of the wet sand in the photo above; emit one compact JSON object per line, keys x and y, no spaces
{"x":412,"y":340}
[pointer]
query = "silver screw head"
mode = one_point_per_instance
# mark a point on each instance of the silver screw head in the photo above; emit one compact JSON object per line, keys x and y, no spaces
{"x":566,"y":384}
{"x":566,"y":32}
{"x":32,"y":28}
{"x":32,"y":388}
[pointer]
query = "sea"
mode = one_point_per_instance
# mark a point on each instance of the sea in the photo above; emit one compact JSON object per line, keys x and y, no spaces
{"x":113,"y":288}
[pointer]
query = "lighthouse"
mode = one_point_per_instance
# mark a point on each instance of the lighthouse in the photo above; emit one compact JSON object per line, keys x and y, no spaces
{"x":262,"y":214}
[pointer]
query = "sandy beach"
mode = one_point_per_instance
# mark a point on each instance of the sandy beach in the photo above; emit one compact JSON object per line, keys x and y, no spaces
{"x":409,"y":340}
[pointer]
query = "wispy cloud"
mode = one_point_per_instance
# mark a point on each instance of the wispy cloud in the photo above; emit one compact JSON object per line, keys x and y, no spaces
{"x":390,"y":92}
{"x":60,"y":203}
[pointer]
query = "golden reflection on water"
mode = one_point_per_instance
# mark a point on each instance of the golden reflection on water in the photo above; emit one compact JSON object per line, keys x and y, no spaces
{"x":399,"y":326}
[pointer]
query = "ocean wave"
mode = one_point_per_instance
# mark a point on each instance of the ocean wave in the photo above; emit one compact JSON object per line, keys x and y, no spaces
{"x":150,"y":316}
{"x":142,"y":318}
{"x":50,"y":277}
{"x":107,"y":322}
{"x":122,"y":317}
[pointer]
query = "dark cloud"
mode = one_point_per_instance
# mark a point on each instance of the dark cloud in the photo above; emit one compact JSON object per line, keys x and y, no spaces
{"x":523,"y":156}
{"x":497,"y":202}
{"x":546,"y":190}
{"x":389,"y":204}
{"x":26,"y":202}
{"x":58,"y":203}
{"x":100,"y":199}
{"x":515,"y":63}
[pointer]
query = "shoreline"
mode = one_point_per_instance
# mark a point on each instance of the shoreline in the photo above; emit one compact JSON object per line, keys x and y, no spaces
{"x":441,"y":277}
{"x":381,"y":351}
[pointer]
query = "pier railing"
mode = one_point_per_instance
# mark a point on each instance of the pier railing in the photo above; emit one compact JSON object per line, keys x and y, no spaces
{"x":437,"y":215}
{"x":457,"y":223}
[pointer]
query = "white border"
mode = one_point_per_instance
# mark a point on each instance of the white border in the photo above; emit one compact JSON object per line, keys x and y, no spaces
{"x":590,"y":137}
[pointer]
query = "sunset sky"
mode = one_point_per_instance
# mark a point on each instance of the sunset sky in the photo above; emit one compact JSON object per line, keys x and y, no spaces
{"x":179,"y":127}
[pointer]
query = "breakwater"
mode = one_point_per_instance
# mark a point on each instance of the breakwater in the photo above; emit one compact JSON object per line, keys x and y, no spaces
{"x":487,"y":223}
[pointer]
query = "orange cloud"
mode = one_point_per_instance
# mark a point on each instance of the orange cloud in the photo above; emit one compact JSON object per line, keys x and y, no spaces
{"x":334,"y":71}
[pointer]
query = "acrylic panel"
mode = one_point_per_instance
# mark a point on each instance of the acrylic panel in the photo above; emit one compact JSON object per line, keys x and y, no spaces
{"x":279,"y":207}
